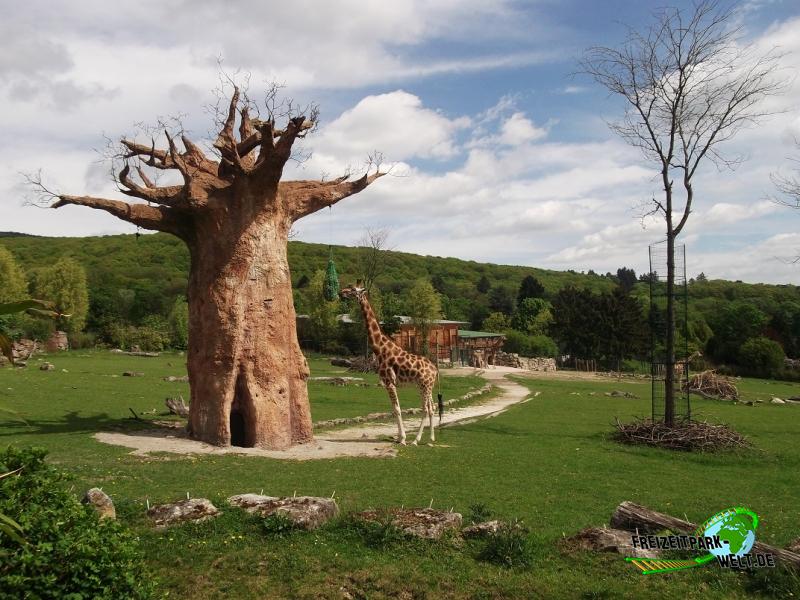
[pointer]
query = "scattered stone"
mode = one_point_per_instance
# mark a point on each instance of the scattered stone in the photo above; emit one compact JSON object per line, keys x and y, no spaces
{"x":133,"y":374}
{"x":484,"y":529}
{"x":427,"y":523}
{"x":173,"y":379}
{"x":604,"y":539}
{"x":193,"y":509}
{"x":776,"y":400}
{"x":47,"y":366}
{"x":308,"y":512}
{"x":620,"y":394}
{"x":101,"y":502}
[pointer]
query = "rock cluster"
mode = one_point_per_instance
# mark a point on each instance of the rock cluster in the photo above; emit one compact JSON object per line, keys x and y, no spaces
{"x":57,"y":342}
{"x":308,"y":512}
{"x":428,"y":523}
{"x":605,"y":539}
{"x":191,"y":509}
{"x":512,"y":359}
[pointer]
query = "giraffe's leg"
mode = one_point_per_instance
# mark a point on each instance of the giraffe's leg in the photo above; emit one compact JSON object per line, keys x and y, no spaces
{"x":430,"y":415}
{"x":424,"y":394}
{"x":401,"y":432}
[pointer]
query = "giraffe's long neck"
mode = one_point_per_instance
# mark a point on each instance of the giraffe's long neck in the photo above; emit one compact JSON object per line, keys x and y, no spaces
{"x":373,"y":328}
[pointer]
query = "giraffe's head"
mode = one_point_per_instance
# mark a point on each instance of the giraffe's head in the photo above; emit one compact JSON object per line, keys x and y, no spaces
{"x":353,"y":291}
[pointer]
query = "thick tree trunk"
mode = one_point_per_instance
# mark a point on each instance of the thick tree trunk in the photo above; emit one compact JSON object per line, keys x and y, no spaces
{"x":246,"y":370}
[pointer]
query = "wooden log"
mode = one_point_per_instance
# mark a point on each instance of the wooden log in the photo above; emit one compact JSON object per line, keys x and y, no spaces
{"x":635,"y":517}
{"x":177,"y":406}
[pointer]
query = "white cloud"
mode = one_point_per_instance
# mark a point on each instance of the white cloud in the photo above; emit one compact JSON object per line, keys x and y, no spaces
{"x":518,"y":129}
{"x":726,"y":213}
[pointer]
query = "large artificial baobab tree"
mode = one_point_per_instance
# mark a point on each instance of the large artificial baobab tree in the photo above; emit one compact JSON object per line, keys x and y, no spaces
{"x":246,"y":371}
{"x":689,"y":84}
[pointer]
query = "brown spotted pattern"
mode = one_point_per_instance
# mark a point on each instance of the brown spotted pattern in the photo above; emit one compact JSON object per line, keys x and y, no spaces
{"x":396,"y":366}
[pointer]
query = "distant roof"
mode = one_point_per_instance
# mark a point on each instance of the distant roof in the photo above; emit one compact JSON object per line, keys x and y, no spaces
{"x":465,"y":333}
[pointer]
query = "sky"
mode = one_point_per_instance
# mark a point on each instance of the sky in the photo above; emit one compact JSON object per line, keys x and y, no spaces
{"x":500,"y":150}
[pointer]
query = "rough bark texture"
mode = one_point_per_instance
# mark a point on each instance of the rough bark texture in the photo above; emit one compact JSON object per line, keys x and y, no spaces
{"x":246,"y":372}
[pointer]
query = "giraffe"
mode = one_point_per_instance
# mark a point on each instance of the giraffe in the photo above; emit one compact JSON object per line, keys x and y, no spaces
{"x":396,"y":366}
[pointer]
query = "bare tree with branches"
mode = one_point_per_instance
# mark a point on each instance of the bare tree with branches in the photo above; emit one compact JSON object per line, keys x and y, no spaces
{"x":689,"y":85}
{"x":789,"y":185}
{"x":246,"y":371}
{"x":372,"y":258}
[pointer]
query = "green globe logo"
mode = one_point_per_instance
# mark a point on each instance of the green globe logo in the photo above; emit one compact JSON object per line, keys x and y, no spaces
{"x":736,"y":529}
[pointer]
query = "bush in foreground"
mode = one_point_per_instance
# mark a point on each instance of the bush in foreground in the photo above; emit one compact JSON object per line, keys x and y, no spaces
{"x":67,"y":551}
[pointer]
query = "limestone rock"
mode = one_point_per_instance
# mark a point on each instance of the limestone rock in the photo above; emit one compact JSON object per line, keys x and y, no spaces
{"x":308,"y":512}
{"x":484,"y":529}
{"x":181,"y":379}
{"x":428,"y":523}
{"x":604,"y":539}
{"x":58,"y":342}
{"x":101,"y":502}
{"x":776,"y":400}
{"x":192,"y":509}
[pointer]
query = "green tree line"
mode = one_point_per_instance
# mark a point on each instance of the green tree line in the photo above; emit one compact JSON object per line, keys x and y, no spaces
{"x":126,"y":290}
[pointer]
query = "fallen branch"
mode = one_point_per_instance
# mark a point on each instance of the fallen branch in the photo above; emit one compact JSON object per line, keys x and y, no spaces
{"x":177,"y":406}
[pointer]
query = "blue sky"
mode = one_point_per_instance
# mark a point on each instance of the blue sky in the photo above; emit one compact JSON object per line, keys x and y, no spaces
{"x":504,"y":154}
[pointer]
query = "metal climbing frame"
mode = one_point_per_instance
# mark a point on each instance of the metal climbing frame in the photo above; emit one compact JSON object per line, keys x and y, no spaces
{"x":659,"y":327}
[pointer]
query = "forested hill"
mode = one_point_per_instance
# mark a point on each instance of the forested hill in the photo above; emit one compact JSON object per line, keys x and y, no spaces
{"x":157,"y":266}
{"x":131,"y":279}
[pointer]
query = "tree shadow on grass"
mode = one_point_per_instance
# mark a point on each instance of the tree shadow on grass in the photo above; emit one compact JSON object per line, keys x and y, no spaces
{"x":71,"y":422}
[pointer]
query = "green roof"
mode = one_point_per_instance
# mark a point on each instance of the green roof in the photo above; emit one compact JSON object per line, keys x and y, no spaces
{"x":465,"y":333}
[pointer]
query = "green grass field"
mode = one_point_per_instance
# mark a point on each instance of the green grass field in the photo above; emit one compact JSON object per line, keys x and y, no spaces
{"x":547,"y":461}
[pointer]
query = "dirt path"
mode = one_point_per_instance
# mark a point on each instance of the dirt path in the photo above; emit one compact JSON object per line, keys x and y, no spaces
{"x":365,"y":440}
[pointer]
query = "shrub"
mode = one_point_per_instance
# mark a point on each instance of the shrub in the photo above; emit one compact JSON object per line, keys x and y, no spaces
{"x":508,"y":547}
{"x":148,"y":339}
{"x":761,"y":356}
{"x":179,"y":323}
{"x":278,"y":525}
{"x":479,"y":513}
{"x":69,"y":552}
{"x":81,"y":340}
{"x":529,"y":345}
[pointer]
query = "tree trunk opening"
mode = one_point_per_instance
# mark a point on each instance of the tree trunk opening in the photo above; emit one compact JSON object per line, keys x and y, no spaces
{"x":237,"y":430}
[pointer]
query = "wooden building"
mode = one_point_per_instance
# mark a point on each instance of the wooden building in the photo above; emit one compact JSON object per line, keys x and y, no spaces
{"x":477,"y":348}
{"x":442,"y":338}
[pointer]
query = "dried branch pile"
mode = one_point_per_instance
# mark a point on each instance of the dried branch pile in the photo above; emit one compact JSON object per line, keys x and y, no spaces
{"x":710,"y":385}
{"x":689,"y":436}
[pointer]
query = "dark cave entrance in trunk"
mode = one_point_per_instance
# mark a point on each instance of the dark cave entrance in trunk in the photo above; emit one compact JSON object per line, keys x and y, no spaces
{"x":238,"y":436}
{"x":240,"y":424}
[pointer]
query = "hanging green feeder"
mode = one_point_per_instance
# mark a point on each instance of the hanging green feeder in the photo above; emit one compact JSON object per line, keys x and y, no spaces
{"x":330,"y":289}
